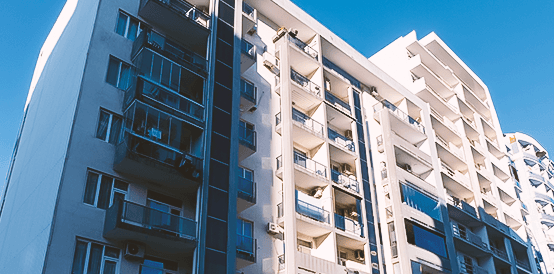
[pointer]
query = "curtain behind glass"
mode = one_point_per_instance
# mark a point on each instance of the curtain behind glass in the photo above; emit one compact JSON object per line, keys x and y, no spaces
{"x":115,"y":130}
{"x":79,"y":258}
{"x":121,"y":24}
{"x":90,"y":190}
{"x":109,"y":267}
{"x":102,"y":129}
{"x":95,"y":259}
{"x":105,"y":192}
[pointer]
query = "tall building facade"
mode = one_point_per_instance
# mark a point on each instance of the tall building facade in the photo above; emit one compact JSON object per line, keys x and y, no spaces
{"x":533,"y":171}
{"x":222,"y":136}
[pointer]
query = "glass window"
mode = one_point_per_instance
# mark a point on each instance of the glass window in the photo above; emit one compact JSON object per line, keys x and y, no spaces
{"x":128,"y":26}
{"x":94,"y":258}
{"x":119,"y":73}
{"x":102,"y":190}
{"x":246,"y":174}
{"x":426,"y":239}
{"x":421,"y":202}
{"x":109,"y":127}
{"x":245,"y":242}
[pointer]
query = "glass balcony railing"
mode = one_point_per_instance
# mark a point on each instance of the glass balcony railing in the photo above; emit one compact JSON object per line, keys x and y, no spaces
{"x":146,"y":269}
{"x":247,"y":136}
{"x":338,"y":103}
{"x":312,"y":212}
{"x":399,"y":114}
{"x":247,"y":9}
{"x":248,"y":49}
{"x":305,"y":83}
{"x":310,"y":165}
{"x":307,"y":122}
{"x":347,"y":224}
{"x":246,"y":189}
{"x":156,"y":42}
{"x":152,"y":219}
{"x":174,"y":102}
{"x":345,"y":181}
{"x":341,"y":140}
{"x":245,"y":244}
{"x":421,"y":202}
{"x":304,"y":47}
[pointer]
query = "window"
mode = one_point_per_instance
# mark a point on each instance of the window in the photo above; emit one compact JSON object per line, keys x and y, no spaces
{"x":245,"y":183}
{"x":93,"y":258}
{"x":426,"y":239}
{"x":152,"y":265}
{"x":415,"y":199}
{"x":245,"y":243}
{"x":109,"y":127}
{"x":102,"y":190}
{"x":128,"y":26}
{"x":119,"y":73}
{"x":246,"y":132}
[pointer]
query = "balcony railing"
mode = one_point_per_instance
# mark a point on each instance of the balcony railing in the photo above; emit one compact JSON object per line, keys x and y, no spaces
{"x":245,"y":244}
{"x":312,"y":212}
{"x":500,"y":253}
{"x":399,"y":114}
{"x":472,"y":269}
{"x":153,"y":219}
{"x":145,"y":90}
{"x":146,"y":269}
{"x":345,"y":181}
{"x":305,"y":83}
{"x":247,"y":9}
{"x":248,"y":49}
{"x":248,"y":91}
{"x":341,"y":140}
{"x":338,"y":103}
{"x":348,"y":224}
{"x":247,"y":136}
{"x":304,"y":47}
{"x":523,"y":264}
{"x":307,"y":122}
{"x":156,"y":42}
{"x":462,"y":205}
{"x":246,"y":189}
{"x":187,"y":10}
{"x":310,"y":165}
{"x":469,"y":236}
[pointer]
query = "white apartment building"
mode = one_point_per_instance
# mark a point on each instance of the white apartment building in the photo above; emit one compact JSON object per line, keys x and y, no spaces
{"x":533,"y":171}
{"x":229,"y":136}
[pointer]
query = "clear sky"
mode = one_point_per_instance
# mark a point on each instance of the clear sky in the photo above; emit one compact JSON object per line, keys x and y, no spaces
{"x":508,"y":44}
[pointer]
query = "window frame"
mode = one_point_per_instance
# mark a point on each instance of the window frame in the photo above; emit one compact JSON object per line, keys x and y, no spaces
{"x":104,"y":258}
{"x":243,"y":171}
{"x":241,"y":222}
{"x":113,"y":189}
{"x":140,"y":26}
{"x":109,"y":127}
{"x":121,"y":63}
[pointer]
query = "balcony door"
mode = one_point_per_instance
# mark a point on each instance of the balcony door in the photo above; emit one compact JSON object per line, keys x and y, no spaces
{"x":164,"y":212}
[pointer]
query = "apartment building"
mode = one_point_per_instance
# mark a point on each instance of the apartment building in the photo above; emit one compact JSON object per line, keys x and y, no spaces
{"x":533,"y":171}
{"x":221,"y":136}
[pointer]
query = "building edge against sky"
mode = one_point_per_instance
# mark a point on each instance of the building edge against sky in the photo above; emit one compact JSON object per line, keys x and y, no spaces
{"x":310,"y":158}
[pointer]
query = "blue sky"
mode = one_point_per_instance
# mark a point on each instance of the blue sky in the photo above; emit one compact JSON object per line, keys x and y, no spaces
{"x":508,"y":44}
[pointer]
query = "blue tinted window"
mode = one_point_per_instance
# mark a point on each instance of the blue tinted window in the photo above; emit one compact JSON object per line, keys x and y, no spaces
{"x":421,"y":202}
{"x":426,"y":239}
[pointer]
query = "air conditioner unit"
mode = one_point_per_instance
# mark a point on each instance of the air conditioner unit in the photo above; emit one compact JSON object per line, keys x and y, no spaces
{"x":280,"y":33}
{"x":347,"y":169}
{"x":317,"y":193}
{"x":408,"y":167}
{"x":359,"y":254}
{"x":293,"y":32}
{"x":373,"y":91}
{"x":134,"y":251}
{"x":273,"y":228}
{"x":270,"y":62}
{"x":353,"y":213}
{"x":348,"y":134}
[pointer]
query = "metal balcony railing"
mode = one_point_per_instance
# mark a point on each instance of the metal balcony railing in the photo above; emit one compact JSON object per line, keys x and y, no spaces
{"x":153,"y":219}
{"x":310,"y":165}
{"x":304,"y":47}
{"x":307,"y":122}
{"x":347,"y":224}
{"x":468,"y":236}
{"x":313,"y":212}
{"x":399,"y":114}
{"x":500,"y":253}
{"x":338,"y":103}
{"x":345,"y":181}
{"x":341,"y":140}
{"x":248,"y":49}
{"x":305,"y":83}
{"x":246,"y":189}
{"x":247,"y":136}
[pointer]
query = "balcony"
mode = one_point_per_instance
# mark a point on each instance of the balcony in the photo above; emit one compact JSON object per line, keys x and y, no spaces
{"x":305,"y":83}
{"x":248,"y":95}
{"x":249,"y":19}
{"x":337,"y":103}
{"x":461,"y":211}
{"x":311,"y":52}
{"x":402,"y":124}
{"x":161,"y":231}
{"x":346,"y":224}
{"x":165,"y":99}
{"x":149,"y":39}
{"x":471,"y":243}
{"x":248,"y":55}
{"x":500,"y":253}
{"x":523,"y":264}
{"x":246,"y":251}
{"x":472,"y":268}
{"x":345,"y":181}
{"x":313,"y":212}
{"x":438,"y":104}
{"x":246,"y":193}
{"x":157,"y":147}
{"x":456,"y":182}
{"x":166,"y":14}
{"x":450,"y":154}
{"x":306,"y":131}
{"x":247,"y":141}
{"x":341,"y":141}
